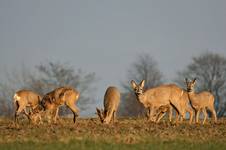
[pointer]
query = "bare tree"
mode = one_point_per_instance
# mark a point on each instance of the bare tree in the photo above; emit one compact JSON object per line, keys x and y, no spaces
{"x":210,"y":70}
{"x":6,"y":100}
{"x":46,"y":77}
{"x":12,"y":82}
{"x":144,"y":68}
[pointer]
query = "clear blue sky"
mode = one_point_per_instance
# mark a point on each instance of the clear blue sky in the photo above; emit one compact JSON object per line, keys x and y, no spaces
{"x":106,"y":36}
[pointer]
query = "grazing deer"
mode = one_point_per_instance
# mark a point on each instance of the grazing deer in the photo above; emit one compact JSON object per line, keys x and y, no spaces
{"x":184,"y":103}
{"x":61,"y":96}
{"x":111,"y":103}
{"x":161,"y":111}
{"x":200,"y":101}
{"x":24,"y":99}
{"x":36,"y":115}
{"x":154,"y":98}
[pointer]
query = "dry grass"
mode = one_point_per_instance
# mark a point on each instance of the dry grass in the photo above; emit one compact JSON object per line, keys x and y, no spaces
{"x":126,"y":131}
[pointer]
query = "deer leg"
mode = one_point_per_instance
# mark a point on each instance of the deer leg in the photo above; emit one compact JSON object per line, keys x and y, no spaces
{"x":179,"y":109}
{"x":148,"y":113}
{"x":151,"y":112}
{"x":56,"y":115}
{"x":177,"y":116}
{"x":113,"y":117}
{"x":170,"y":113}
{"x":214,"y":115}
{"x":27,"y":114}
{"x":181,"y":118}
{"x":40,"y":119}
{"x":205,"y":115}
{"x":190,"y":110}
{"x":197,"y":116}
{"x":16,"y":105}
{"x":179,"y":112}
{"x":18,"y":111}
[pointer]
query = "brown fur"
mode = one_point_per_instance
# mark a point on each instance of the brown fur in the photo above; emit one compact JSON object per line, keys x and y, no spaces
{"x":61,"y":96}
{"x":201,"y":101}
{"x":111,"y":103}
{"x":23,"y":99}
{"x":184,"y":103}
{"x":163,"y":95}
{"x":36,"y":115}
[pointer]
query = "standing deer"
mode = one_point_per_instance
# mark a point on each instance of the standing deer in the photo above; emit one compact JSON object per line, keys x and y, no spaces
{"x":111,"y":103}
{"x":154,"y":98}
{"x":24,"y":99}
{"x":200,"y":101}
{"x":61,"y":96}
{"x":184,"y":103}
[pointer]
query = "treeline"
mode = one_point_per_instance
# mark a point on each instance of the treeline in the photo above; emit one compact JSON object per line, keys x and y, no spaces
{"x":209,"y":68}
{"x":43,"y":79}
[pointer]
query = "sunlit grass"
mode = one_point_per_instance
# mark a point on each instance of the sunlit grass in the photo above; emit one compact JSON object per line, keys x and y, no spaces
{"x":127,"y":133}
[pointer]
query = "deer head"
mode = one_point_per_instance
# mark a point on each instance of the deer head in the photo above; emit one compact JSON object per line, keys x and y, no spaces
{"x":190,"y":84}
{"x":100,"y":114}
{"x":138,"y":88}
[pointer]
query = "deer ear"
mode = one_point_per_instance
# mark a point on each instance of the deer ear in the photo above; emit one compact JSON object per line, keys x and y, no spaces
{"x":103,"y":112}
{"x":99,"y":113}
{"x":186,"y":81}
{"x":142,"y":83}
{"x":133,"y":84}
{"x":194,"y":80}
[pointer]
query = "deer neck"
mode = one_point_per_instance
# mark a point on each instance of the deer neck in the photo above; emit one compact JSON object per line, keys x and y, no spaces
{"x":142,"y":99}
{"x":191,"y":95}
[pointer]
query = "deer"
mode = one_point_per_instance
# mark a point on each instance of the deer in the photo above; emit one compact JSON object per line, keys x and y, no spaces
{"x":200,"y":101}
{"x":160,"y":112}
{"x":23,"y":99}
{"x":36,"y":115}
{"x":61,"y":96}
{"x":162,"y":95}
{"x":111,"y":103}
{"x":184,"y":103}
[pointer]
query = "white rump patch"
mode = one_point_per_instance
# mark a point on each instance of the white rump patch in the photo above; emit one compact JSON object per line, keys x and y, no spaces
{"x":77,"y":96}
{"x":16,"y":97}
